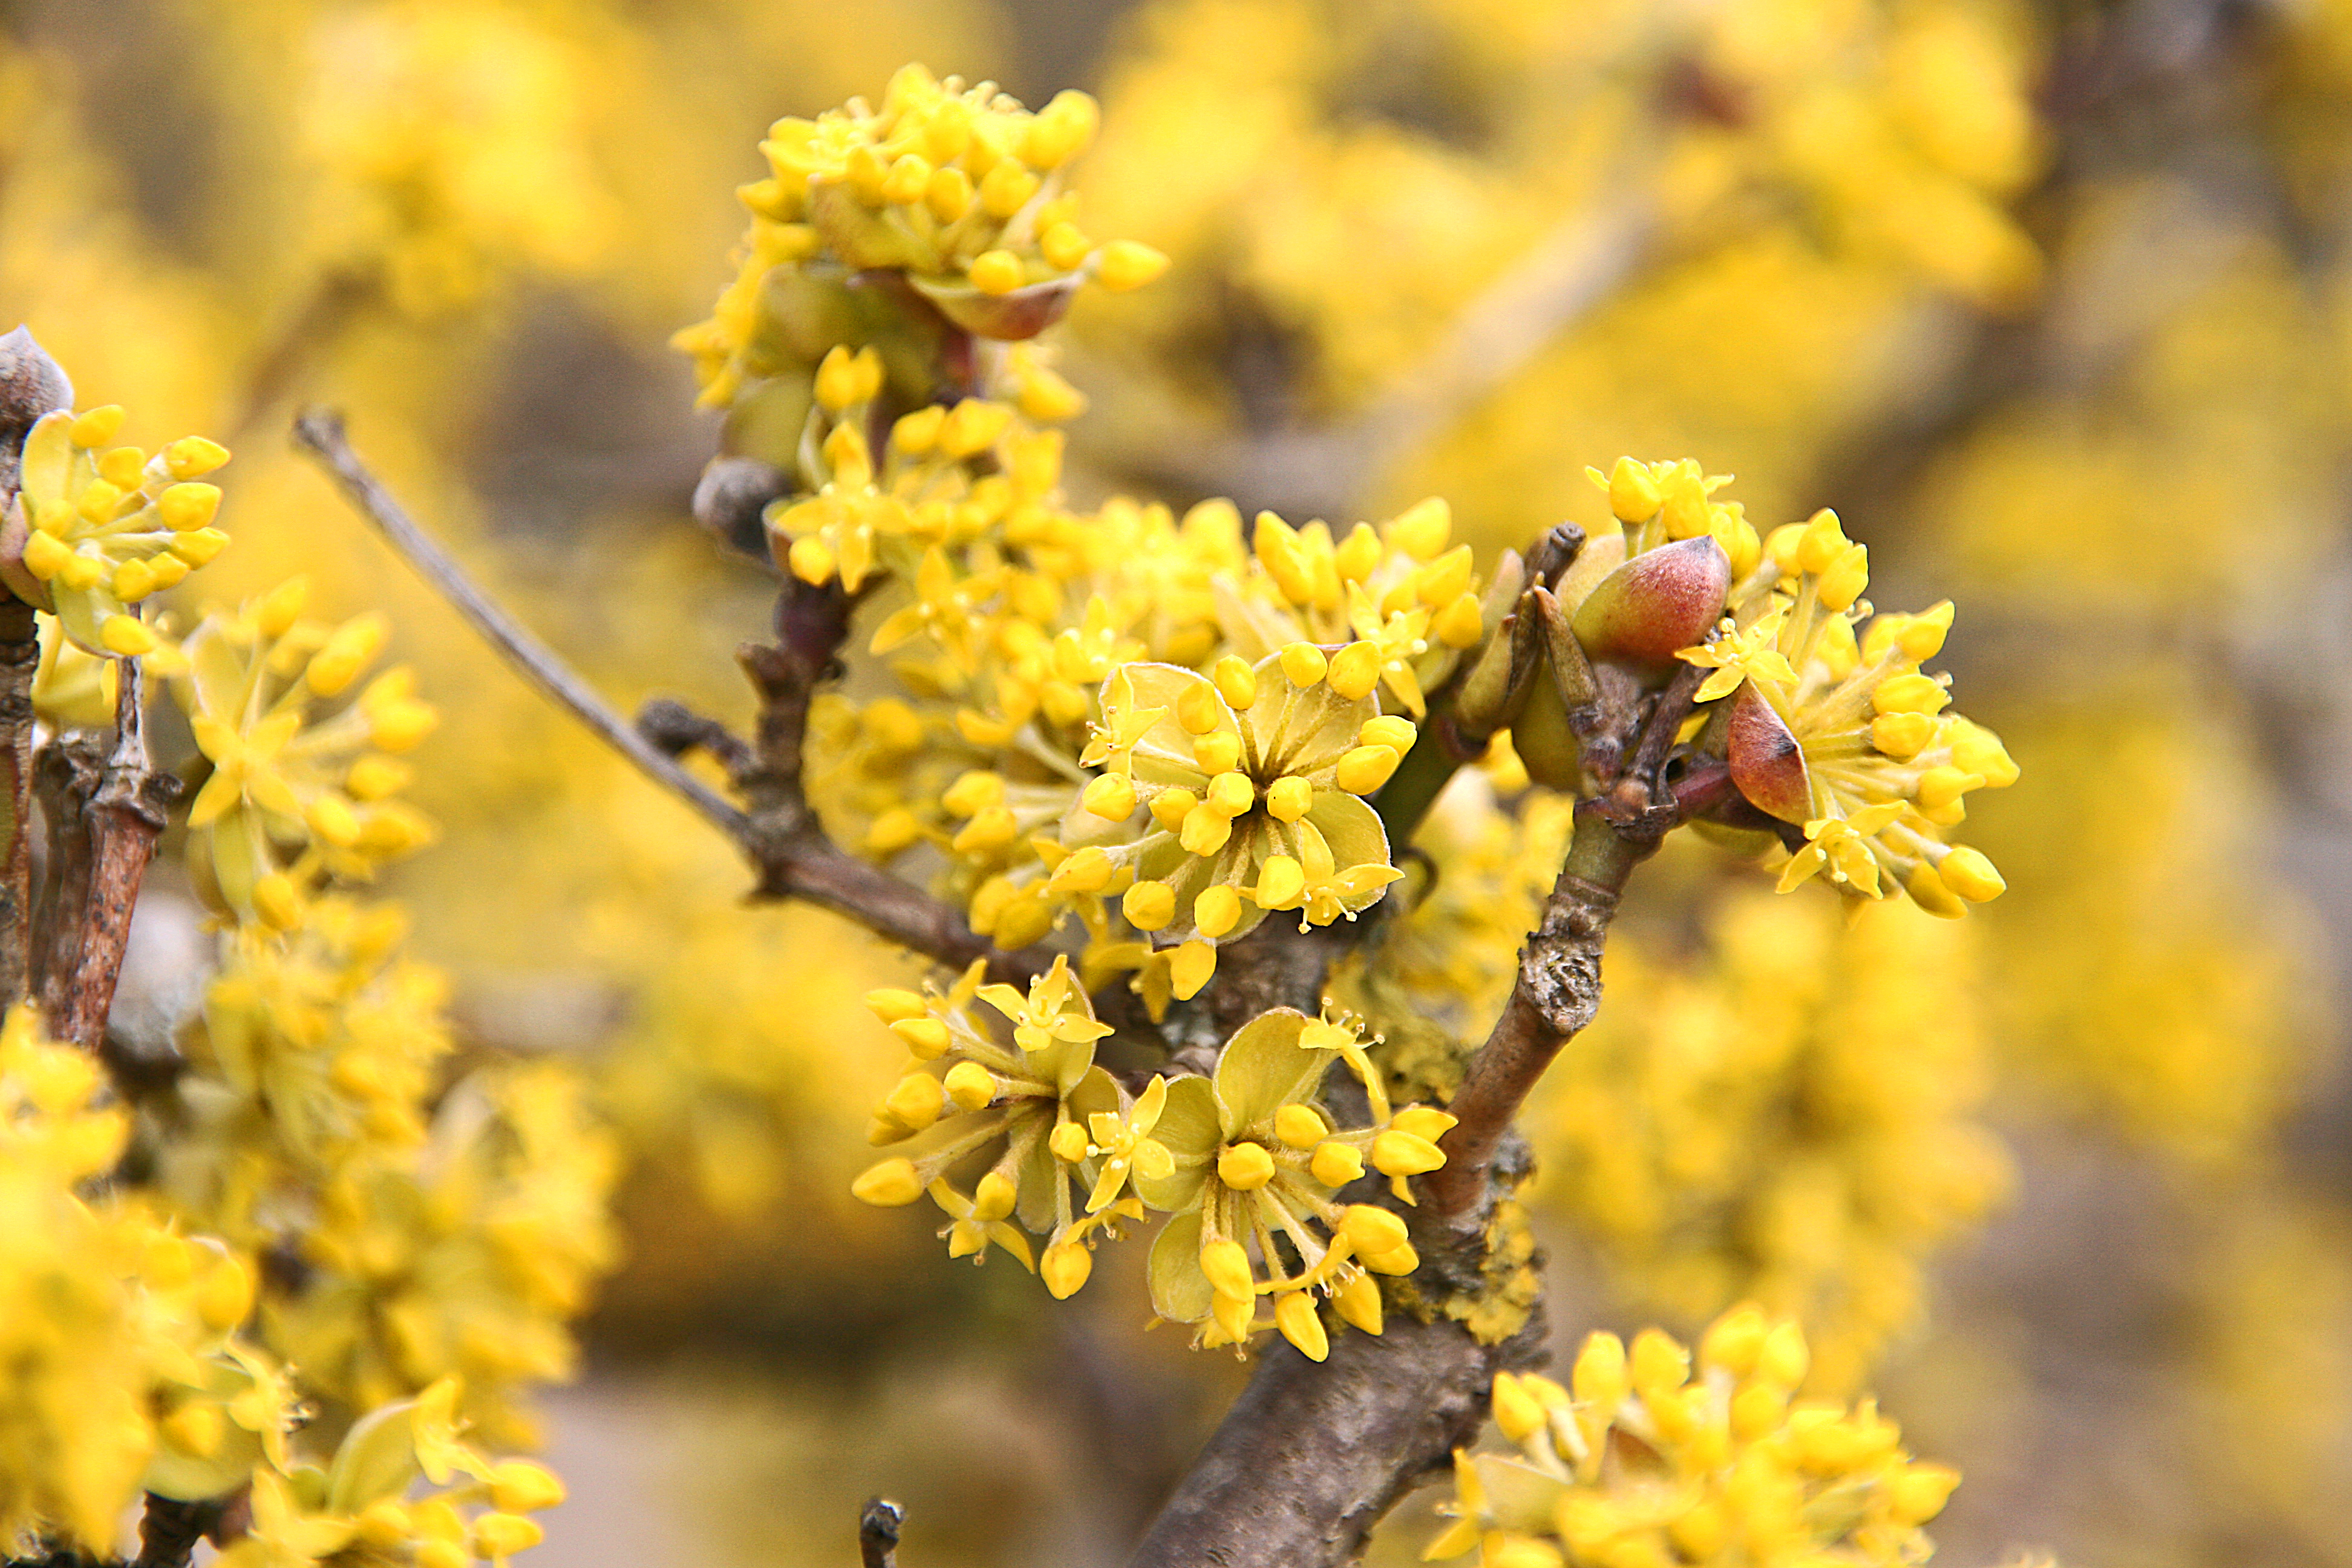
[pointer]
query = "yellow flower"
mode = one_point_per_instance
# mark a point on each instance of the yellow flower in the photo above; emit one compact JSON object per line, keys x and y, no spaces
{"x":299,"y":771}
{"x":1233,"y":814}
{"x":1252,"y":1160}
{"x":1643,"y":1462}
{"x":107,"y":526}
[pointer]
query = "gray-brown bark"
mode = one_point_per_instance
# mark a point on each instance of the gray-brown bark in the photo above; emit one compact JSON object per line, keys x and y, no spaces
{"x":1313,"y":1454}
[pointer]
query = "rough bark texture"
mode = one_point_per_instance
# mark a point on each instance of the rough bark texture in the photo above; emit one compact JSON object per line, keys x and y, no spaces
{"x":1312,"y":1455}
{"x":20,"y":657}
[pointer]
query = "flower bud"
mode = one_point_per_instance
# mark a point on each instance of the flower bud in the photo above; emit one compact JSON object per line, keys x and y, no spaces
{"x":1236,"y":682}
{"x":1206,"y":830}
{"x":1280,"y":881}
{"x":1656,"y":604}
{"x":1294,"y":1315}
{"x":1244,"y":1167}
{"x":1423,"y":1122}
{"x":1299,"y":1126}
{"x":1230,"y":794}
{"x":992,"y":1196}
{"x":1289,"y":799}
{"x":1227,"y":1267}
{"x":1217,"y":752}
{"x":1336,"y":1164}
{"x":1303,"y":664}
{"x":1064,"y":1266}
{"x":1782,"y":1360}
{"x":1969,"y":874}
{"x":1919,"y":1492}
{"x":1370,"y":1229}
{"x":1366,"y":769}
{"x":1518,"y":1413}
{"x":1355,"y":670}
{"x":517,"y":1486}
{"x":1633,"y":490}
{"x":893,"y":1183}
{"x":498,"y":1536}
{"x":1125,"y":264}
{"x":916,"y":1100}
{"x":1600,"y":1375}
{"x":1216,"y":911}
{"x":1148,"y":906}
{"x":1734,"y":1340}
{"x":892,"y":1005}
{"x":1460,"y":624}
{"x":1659,"y":1365}
{"x":1765,"y":759}
{"x":1358,"y":1300}
{"x":970,"y":1085}
{"x":1111,"y":798}
{"x":1902,"y":735}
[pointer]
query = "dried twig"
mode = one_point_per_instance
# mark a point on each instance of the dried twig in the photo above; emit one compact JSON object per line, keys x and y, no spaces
{"x":321,"y":432}
{"x":780,"y":835}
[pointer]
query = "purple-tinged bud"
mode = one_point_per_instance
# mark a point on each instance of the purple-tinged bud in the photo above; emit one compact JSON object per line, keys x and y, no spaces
{"x":1766,"y":761}
{"x":31,"y":384}
{"x":1656,"y":604}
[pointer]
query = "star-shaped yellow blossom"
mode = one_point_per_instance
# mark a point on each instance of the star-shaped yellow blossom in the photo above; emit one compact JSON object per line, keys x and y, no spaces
{"x":1124,"y":1145}
{"x":1344,"y":1034}
{"x":1229,"y":796}
{"x":946,"y":607}
{"x":1735,"y":654}
{"x":1401,"y":637}
{"x":983,"y":1217}
{"x":1842,"y":847}
{"x":1054,"y":1009}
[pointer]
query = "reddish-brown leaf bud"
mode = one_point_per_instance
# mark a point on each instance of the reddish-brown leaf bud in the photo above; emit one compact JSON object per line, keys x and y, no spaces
{"x":1765,"y":761}
{"x":1656,"y":604}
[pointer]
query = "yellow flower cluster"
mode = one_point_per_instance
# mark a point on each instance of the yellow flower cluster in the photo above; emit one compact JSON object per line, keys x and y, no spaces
{"x":1147,"y":715}
{"x":301,"y":778}
{"x":446,"y":147}
{"x":1831,"y":727}
{"x":1788,"y":1115}
{"x":104,"y":527}
{"x":363,"y":1508}
{"x":310,"y":1049}
{"x":960,"y":190}
{"x":467,"y":1255}
{"x":946,"y":477}
{"x":1645,"y":1462}
{"x":107,"y":1319}
{"x":1247,"y":1159}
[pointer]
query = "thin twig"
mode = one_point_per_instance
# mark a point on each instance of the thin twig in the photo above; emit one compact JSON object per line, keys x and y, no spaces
{"x":1558,"y":987}
{"x":321,"y":432}
{"x":780,"y":835}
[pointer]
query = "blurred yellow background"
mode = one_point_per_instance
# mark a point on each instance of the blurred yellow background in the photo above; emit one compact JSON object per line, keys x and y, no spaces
{"x":2052,"y":301}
